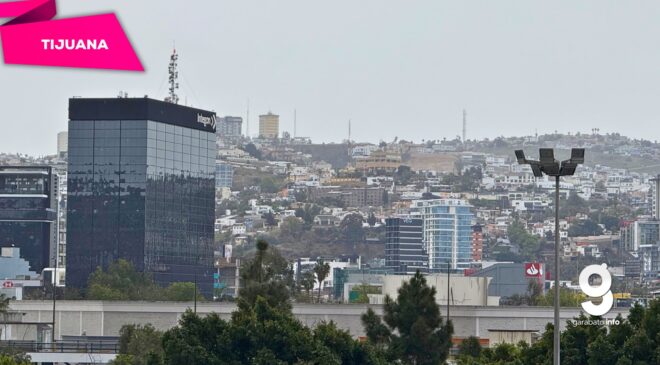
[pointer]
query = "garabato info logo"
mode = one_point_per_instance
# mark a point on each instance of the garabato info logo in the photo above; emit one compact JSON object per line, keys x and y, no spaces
{"x":32,"y":37}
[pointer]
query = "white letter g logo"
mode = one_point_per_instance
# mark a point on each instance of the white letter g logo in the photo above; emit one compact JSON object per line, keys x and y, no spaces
{"x":601,"y":291}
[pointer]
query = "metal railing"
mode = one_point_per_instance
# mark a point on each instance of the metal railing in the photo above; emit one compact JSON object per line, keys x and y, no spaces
{"x":63,"y":346}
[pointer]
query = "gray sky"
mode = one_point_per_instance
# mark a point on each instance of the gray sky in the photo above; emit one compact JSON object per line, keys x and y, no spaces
{"x":396,"y":68}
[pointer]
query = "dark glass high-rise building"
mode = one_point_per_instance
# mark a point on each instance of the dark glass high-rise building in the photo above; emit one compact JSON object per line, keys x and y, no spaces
{"x":141,"y":187}
{"x":404,"y":247}
{"x":28,"y":210}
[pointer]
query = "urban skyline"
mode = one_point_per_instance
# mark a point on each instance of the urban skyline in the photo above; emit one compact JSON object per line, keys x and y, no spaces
{"x":424,"y":65}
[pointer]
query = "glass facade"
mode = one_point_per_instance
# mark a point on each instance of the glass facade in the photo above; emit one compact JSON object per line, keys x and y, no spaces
{"x":28,"y":211}
{"x":404,"y":246}
{"x":447,"y":232}
{"x":224,"y":175}
{"x":144,"y":191}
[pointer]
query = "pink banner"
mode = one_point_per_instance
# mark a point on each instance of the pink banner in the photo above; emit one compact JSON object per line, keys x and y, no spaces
{"x":95,"y":41}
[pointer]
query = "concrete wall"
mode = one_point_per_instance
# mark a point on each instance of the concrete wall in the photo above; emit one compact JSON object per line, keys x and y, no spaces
{"x":465,"y":290}
{"x":97,"y":318}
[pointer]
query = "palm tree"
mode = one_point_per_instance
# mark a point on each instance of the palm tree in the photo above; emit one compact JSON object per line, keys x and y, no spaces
{"x":307,"y":281}
{"x":321,"y":270}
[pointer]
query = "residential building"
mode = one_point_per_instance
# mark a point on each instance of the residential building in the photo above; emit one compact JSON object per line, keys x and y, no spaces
{"x":229,"y":128}
{"x":269,"y":126}
{"x":447,"y":232}
{"x":141,"y":187}
{"x":404,"y":245}
{"x":28,"y":212}
{"x":656,"y":197}
{"x":477,"y":243}
{"x":350,"y":196}
{"x":62,"y":143}
{"x":379,"y":162}
{"x":638,"y":233}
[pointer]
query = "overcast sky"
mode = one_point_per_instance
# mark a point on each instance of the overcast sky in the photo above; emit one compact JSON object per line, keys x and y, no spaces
{"x":395,"y":68}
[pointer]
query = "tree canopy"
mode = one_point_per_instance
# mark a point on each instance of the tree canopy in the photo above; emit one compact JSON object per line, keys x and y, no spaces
{"x":413,"y":330}
{"x":121,"y":281}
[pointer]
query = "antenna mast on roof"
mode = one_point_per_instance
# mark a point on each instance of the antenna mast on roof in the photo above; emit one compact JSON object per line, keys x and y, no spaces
{"x":173,"y":78}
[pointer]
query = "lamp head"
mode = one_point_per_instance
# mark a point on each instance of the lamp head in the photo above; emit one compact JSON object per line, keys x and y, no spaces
{"x":577,"y":155}
{"x":520,"y":156}
{"x":536,"y":168}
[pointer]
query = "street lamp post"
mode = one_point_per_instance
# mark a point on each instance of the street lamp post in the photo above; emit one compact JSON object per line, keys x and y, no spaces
{"x":551,"y":167}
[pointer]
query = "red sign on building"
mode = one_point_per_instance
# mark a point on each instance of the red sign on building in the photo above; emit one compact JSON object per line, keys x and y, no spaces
{"x":533,"y":270}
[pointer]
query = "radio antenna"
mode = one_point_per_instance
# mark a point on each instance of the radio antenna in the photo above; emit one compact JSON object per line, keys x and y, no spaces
{"x":173,"y":78}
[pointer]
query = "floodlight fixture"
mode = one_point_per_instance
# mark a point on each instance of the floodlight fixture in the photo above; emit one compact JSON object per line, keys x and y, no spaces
{"x":548,"y":165}
{"x":577,"y":155}
{"x":536,"y":168}
{"x":567,"y":168}
{"x":546,"y":155}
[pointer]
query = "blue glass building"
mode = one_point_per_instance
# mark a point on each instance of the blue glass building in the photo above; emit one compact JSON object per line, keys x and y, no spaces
{"x":447,"y":232}
{"x":141,"y":187}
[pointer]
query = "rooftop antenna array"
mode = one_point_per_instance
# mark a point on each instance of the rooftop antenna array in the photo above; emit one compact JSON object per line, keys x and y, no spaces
{"x":173,"y":78}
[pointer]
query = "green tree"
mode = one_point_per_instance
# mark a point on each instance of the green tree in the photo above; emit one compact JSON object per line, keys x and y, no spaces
{"x":261,"y":334}
{"x":252,"y":150}
{"x":586,"y":227}
{"x":181,"y":292}
{"x":307,"y":280}
{"x":291,"y":229}
{"x":529,"y":244}
{"x":470,"y":347}
{"x":267,"y":275}
{"x":417,"y":333}
{"x":121,"y":281}
{"x":351,"y":228}
{"x":139,"y":345}
{"x":10,"y":360}
{"x":308,"y":212}
{"x":322,"y":270}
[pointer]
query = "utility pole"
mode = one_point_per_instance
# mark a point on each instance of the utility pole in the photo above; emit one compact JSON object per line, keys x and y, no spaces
{"x":557,"y":296}
{"x":195,"y":299}
{"x":448,"y":286}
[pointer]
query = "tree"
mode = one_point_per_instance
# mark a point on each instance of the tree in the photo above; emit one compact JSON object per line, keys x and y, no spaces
{"x":307,"y":280}
{"x":181,"y":292}
{"x":139,"y":345}
{"x":291,"y":229}
{"x":270,"y":219}
{"x":322,"y":269}
{"x":528,"y":243}
{"x":121,"y":281}
{"x":470,"y":347}
{"x":351,"y":228}
{"x":9,"y":360}
{"x":252,"y":150}
{"x":308,"y":212}
{"x":4,"y":303}
{"x":267,"y":275}
{"x":269,"y":185}
{"x":372,"y":220}
{"x":403,"y":175}
{"x":586,"y":227}
{"x":262,"y":335}
{"x":417,"y":333}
